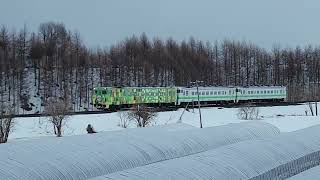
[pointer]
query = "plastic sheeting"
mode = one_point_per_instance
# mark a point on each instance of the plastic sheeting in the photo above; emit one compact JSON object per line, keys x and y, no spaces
{"x":275,"y":158}
{"x":311,"y":174}
{"x":86,"y":156}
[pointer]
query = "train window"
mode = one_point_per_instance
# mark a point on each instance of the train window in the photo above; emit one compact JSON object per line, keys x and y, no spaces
{"x":203,"y":93}
{"x":104,"y":92}
{"x":215,"y":93}
{"x":249,"y":92}
{"x":218,"y":92}
{"x":265,"y":92}
{"x":211,"y":92}
{"x":207,"y":93}
{"x":192,"y":93}
{"x":187,"y":93}
{"x":271,"y":91}
{"x":257,"y":92}
{"x":268,"y":92}
{"x":229,"y":92}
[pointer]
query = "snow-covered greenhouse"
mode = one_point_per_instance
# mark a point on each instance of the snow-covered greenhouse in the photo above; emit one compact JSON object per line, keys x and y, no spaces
{"x":273,"y":158}
{"x":89,"y":156}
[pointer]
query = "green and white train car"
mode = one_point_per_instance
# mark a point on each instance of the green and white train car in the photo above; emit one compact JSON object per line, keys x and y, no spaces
{"x":206,"y":94}
{"x":266,"y":93}
{"x":114,"y":97}
{"x":111,"y":97}
{"x":230,"y":94}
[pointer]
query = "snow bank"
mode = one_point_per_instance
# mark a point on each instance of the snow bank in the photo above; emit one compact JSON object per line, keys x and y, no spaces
{"x":275,"y":158}
{"x":87,"y":156}
{"x":310,"y":174}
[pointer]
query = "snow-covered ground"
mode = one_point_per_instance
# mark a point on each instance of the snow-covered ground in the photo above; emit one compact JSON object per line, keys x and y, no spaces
{"x":286,"y":118}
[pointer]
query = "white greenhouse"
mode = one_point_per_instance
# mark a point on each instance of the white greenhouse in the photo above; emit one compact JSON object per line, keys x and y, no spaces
{"x":88,"y":156}
{"x":276,"y":158}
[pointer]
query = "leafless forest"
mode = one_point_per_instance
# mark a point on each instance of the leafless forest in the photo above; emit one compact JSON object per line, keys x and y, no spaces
{"x":55,"y":62}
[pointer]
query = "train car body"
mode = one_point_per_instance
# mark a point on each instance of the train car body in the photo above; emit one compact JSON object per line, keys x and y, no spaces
{"x":206,"y":94}
{"x":220,"y":95}
{"x":107,"y":97}
{"x":264,"y":93}
{"x":116,"y":97}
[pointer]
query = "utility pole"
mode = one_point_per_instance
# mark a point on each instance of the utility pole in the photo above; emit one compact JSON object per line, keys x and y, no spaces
{"x":197,"y":84}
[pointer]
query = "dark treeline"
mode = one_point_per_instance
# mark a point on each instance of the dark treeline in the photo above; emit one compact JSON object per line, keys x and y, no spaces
{"x":54,"y":62}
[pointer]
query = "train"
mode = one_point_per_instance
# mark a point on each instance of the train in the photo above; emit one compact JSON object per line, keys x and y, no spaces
{"x":123,"y":97}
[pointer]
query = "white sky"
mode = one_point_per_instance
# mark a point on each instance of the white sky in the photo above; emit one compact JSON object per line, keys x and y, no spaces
{"x":104,"y":22}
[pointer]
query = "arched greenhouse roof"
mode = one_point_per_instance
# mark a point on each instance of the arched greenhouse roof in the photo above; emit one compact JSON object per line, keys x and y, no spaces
{"x":87,"y":156}
{"x":275,"y":158}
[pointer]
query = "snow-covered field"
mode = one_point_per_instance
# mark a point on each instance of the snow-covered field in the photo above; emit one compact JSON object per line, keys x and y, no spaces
{"x":286,"y":118}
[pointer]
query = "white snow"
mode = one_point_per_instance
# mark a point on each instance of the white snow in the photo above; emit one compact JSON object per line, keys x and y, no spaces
{"x":286,"y":118}
{"x":279,"y":157}
{"x":310,"y":174}
{"x":87,"y":156}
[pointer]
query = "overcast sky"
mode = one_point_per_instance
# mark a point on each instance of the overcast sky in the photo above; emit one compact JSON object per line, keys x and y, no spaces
{"x":104,"y":22}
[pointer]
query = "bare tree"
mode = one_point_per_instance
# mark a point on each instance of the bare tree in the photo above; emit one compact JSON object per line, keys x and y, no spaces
{"x":6,"y":122}
{"x":311,"y":108}
{"x":57,"y":110}
{"x":248,"y":112}
{"x":124,"y":119}
{"x":142,"y":116}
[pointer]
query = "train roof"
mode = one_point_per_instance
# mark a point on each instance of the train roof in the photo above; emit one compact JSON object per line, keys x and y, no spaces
{"x":202,"y":87}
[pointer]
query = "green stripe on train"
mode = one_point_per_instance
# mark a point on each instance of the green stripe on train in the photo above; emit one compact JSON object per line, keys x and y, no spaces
{"x":233,"y":97}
